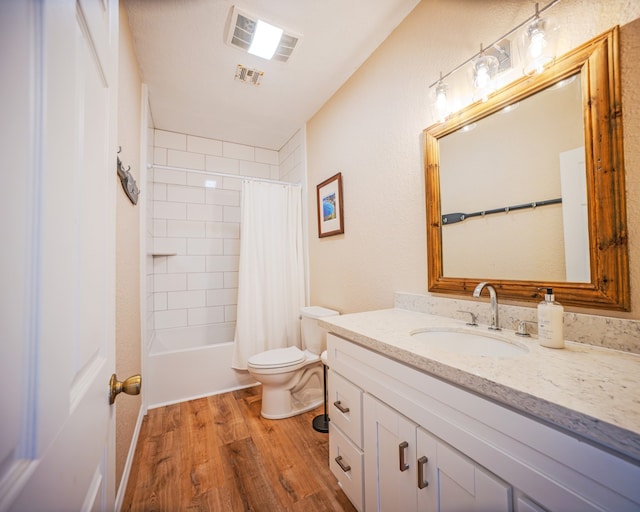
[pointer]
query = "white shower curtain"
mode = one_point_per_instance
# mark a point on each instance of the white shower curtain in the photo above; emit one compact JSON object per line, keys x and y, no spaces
{"x":271,"y":272}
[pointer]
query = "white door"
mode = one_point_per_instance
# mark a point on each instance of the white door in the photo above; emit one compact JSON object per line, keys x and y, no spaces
{"x":58,"y":60}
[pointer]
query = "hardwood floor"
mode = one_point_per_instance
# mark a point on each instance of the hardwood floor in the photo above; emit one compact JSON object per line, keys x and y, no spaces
{"x":219,"y":454}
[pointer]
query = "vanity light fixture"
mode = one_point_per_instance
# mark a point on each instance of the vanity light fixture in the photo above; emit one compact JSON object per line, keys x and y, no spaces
{"x":536,"y":48}
{"x":538,"y":41}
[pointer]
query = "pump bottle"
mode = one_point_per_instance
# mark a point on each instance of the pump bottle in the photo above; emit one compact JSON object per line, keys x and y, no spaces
{"x":550,"y":326}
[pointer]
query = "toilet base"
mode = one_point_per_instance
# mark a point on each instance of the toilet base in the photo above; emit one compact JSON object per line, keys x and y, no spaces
{"x":279,"y":403}
{"x":292,"y":412}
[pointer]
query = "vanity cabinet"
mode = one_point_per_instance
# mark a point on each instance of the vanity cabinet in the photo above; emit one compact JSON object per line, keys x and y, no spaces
{"x":473,"y":453}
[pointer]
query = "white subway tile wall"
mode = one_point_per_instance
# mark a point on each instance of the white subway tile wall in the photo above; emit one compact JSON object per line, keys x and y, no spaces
{"x":291,"y":159}
{"x":196,"y":226}
{"x":148,"y":188}
{"x":194,"y":223}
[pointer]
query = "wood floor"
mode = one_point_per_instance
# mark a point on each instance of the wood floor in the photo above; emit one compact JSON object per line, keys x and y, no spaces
{"x":219,"y":454}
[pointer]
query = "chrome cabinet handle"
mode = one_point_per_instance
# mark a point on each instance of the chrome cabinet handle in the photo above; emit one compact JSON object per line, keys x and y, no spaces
{"x":342,"y":465}
{"x":340,"y":407}
{"x":401,"y":448}
{"x":422,"y":462}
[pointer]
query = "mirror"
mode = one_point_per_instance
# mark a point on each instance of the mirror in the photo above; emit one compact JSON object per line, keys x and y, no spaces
{"x":490,"y":209}
{"x":526,"y":189}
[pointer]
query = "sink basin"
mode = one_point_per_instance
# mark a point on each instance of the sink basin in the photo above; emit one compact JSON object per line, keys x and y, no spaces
{"x":464,"y":341}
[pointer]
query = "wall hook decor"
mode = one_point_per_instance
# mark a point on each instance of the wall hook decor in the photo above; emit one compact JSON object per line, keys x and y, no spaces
{"x":127,"y":180}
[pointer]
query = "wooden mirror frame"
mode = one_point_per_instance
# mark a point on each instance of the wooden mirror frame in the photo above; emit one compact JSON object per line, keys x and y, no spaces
{"x":598,"y":62}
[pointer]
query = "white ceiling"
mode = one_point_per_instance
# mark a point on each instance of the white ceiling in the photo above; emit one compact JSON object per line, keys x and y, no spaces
{"x":189,"y":69}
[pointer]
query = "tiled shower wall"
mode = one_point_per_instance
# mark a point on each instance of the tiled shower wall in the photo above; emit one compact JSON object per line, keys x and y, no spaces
{"x":196,"y":224}
{"x":147,"y":191}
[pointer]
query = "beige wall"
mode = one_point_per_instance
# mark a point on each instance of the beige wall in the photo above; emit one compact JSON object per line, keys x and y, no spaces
{"x":127,"y":245}
{"x":370,"y":130}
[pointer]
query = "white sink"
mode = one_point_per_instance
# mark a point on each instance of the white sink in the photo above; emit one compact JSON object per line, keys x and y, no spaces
{"x":465,"y":341}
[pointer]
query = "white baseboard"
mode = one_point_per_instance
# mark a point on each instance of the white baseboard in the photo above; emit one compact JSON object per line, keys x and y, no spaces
{"x":122,"y":488}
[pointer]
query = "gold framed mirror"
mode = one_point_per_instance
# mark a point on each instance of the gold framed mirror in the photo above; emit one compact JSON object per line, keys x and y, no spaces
{"x":584,"y":260}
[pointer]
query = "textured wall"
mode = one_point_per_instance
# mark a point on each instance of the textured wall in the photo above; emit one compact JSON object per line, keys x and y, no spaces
{"x":127,"y":246}
{"x":370,"y":130}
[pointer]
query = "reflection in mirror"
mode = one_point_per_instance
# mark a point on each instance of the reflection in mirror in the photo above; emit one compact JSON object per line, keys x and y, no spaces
{"x":522,"y":207}
{"x":553,"y":141}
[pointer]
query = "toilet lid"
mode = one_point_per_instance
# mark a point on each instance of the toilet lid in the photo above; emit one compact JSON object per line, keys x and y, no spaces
{"x":276,"y":358}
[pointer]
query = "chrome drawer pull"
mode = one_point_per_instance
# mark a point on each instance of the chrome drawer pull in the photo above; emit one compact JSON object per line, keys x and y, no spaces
{"x":344,"y":468}
{"x":401,"y":448}
{"x":422,"y":462}
{"x":342,"y":409}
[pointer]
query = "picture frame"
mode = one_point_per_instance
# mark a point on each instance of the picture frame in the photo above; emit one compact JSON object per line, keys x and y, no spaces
{"x":330,"y":207}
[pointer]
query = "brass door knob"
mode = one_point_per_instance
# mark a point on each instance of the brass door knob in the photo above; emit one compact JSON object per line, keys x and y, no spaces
{"x":130,"y":386}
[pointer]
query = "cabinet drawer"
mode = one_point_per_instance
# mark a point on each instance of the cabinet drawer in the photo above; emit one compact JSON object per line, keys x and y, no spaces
{"x":346,"y":462}
{"x":345,"y":407}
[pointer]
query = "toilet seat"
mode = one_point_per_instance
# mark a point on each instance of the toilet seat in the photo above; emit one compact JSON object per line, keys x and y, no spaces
{"x":277,"y":358}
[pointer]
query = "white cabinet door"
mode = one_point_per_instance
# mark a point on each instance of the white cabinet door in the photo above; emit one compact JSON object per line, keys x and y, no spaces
{"x":450,"y":482}
{"x":390,"y":458}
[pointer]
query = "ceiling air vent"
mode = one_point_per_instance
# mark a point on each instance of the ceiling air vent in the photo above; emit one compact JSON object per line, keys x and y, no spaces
{"x":242,"y":28}
{"x":248,"y":76}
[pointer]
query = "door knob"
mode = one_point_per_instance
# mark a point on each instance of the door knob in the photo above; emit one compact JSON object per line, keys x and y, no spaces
{"x":130,"y":386}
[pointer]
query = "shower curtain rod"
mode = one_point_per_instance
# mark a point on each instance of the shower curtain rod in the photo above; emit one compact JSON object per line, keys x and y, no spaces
{"x":222,"y":174}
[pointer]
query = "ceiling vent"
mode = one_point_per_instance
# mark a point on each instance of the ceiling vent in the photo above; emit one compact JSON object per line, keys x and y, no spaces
{"x":248,"y":76}
{"x":242,"y":28}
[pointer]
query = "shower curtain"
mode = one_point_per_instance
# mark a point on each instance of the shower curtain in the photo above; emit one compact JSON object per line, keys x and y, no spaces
{"x":271,"y":271}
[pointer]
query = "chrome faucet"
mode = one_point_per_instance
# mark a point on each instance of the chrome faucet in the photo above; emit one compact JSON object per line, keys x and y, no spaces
{"x":494,"y":303}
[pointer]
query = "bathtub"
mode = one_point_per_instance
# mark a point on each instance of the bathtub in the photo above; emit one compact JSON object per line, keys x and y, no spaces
{"x":191,"y":362}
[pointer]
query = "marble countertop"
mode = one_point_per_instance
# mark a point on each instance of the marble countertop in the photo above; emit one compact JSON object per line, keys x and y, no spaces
{"x":590,"y":391}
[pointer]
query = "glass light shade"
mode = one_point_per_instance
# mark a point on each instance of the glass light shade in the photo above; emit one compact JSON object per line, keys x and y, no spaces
{"x":484,"y":69}
{"x":538,"y":45}
{"x":441,"y":103}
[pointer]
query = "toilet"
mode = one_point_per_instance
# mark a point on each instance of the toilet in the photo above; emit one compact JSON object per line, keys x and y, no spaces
{"x":292,"y":378}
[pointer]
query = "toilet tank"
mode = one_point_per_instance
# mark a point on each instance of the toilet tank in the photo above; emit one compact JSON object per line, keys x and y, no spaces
{"x":314,"y":337}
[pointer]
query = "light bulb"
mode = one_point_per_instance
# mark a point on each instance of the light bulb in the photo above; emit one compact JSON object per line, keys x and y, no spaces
{"x":441,"y":104}
{"x":537,"y":44}
{"x":441,"y":96}
{"x":482,"y":76}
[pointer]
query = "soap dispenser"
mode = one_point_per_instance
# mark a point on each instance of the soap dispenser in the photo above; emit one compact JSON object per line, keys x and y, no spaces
{"x":550,"y":326}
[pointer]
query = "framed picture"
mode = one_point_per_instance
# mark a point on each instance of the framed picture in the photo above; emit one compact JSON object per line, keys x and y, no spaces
{"x":330,"y":221}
